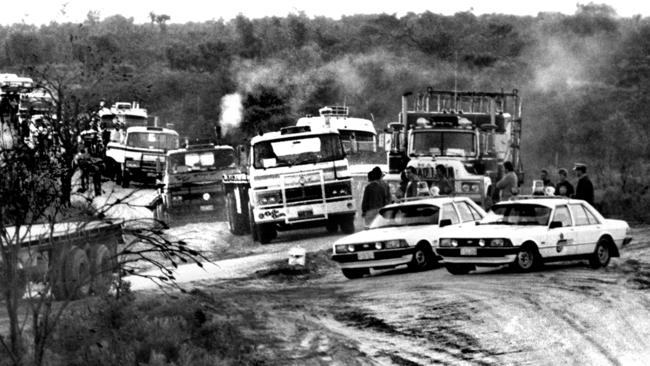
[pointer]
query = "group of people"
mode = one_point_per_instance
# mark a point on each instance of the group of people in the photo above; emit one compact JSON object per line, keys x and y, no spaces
{"x":377,"y":192}
{"x":584,"y":189}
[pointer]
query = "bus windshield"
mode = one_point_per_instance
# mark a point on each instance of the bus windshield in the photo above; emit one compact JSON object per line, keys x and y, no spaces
{"x":444,"y":143}
{"x":153,"y":140}
{"x":297,"y":150}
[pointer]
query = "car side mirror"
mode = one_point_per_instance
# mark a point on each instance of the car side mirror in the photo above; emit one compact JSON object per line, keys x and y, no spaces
{"x":445,"y":222}
{"x":555,"y":224}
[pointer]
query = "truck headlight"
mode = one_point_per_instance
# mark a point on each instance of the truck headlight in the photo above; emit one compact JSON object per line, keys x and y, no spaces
{"x":177,"y":198}
{"x":132,"y":164}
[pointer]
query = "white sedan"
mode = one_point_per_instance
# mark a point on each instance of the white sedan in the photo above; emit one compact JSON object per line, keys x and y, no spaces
{"x":526,"y":232}
{"x":404,"y":234}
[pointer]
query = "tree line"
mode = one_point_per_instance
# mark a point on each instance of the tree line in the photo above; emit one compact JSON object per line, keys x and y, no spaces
{"x":583,"y":77}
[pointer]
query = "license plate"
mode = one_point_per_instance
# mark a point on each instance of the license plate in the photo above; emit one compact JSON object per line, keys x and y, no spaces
{"x":306,"y":213}
{"x":467,"y":251}
{"x":207,"y":208}
{"x":365,"y":255}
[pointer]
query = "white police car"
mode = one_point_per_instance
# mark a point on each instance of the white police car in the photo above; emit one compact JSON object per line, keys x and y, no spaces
{"x":404,"y":234}
{"x":527,"y":232}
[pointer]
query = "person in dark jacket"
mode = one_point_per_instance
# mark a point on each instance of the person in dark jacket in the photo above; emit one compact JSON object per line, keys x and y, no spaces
{"x":374,"y":196}
{"x":584,"y":188}
{"x":563,"y":187}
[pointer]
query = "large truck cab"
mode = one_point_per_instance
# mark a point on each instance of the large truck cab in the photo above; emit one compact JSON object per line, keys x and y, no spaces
{"x":296,"y":178}
{"x":357,"y":134}
{"x":471,"y":134}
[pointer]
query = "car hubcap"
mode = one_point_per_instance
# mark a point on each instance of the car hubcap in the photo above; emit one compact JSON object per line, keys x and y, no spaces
{"x":420,"y":259}
{"x":525,"y":259}
{"x":602,"y":254}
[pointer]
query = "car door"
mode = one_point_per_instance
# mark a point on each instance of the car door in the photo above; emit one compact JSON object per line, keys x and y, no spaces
{"x":587,"y":229}
{"x":560,"y":240}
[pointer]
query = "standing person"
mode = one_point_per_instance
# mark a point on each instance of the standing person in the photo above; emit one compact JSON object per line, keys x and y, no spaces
{"x":563,"y":187}
{"x":379,"y":173}
{"x":411,"y":189}
{"x":584,"y":188}
{"x":374,"y":198}
{"x":82,"y":161}
{"x":443,"y":183}
{"x":509,"y":182}
{"x":543,"y":175}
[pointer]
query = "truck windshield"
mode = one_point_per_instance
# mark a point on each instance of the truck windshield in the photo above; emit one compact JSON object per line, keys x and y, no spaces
{"x":298,"y":150}
{"x":153,"y":140}
{"x":200,"y":160}
{"x":517,"y":214}
{"x":407,"y":215}
{"x":443,"y":143}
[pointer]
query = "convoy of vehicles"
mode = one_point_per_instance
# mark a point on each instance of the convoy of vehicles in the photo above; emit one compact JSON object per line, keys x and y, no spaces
{"x":357,"y":134}
{"x":526,"y":232}
{"x":471,"y":134}
{"x":140,"y":154}
{"x":404,"y":234}
{"x":296,"y":177}
{"x":191,"y":187}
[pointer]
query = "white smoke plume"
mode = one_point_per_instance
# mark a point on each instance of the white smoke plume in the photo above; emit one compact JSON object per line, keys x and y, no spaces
{"x":231,"y":112}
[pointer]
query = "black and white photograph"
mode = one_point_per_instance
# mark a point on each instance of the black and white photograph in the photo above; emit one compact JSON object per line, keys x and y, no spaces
{"x":194,"y":183}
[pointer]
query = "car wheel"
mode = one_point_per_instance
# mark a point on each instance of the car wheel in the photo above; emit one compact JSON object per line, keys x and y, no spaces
{"x":353,"y":273}
{"x":423,"y":258}
{"x":601,"y":255}
{"x":527,"y":259}
{"x":459,"y":269}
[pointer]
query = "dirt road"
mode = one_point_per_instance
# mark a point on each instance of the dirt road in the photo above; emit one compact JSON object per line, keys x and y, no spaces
{"x":565,"y":313}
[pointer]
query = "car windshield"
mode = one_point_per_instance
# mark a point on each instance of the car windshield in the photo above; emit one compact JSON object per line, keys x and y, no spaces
{"x":406,"y":215}
{"x":200,"y":160}
{"x":298,"y":150}
{"x":518,"y":214}
{"x":443,"y":143}
{"x":153,"y":140}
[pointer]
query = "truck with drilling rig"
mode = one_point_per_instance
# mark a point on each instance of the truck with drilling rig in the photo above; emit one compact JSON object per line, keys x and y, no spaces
{"x":470,"y":133}
{"x":293,"y":178}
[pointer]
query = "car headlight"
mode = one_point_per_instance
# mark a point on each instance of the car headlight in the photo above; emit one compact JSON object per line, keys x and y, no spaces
{"x":206,"y":196}
{"x":393,"y":244}
{"x":378,"y":245}
{"x":340,"y":248}
{"x":350,"y":248}
{"x":481,"y":243}
{"x":454,"y":243}
{"x":497,"y":242}
{"x":445,"y":242}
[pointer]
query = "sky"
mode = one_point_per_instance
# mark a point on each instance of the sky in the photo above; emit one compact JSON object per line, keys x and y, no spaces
{"x":40,"y":12}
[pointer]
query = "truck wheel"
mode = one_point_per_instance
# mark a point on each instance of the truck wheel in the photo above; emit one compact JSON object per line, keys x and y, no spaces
{"x":252,"y":225}
{"x":237,"y":222}
{"x":102,"y":269}
{"x":117,"y":171}
{"x":332,"y":226}
{"x":73,"y":280}
{"x":354,"y":273}
{"x":266,"y":233}
{"x":347,"y":224}
{"x":125,"y":177}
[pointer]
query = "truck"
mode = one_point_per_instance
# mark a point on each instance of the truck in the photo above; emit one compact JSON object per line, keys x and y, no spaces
{"x":76,"y":259}
{"x":191,"y":187}
{"x":140,"y":154}
{"x":470,"y":133}
{"x":357,"y":134}
{"x":293,"y":178}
